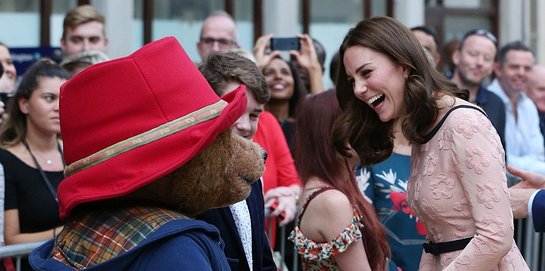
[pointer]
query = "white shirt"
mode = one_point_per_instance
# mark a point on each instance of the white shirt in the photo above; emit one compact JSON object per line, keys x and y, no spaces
{"x":523,"y":139}
{"x":243,"y":221}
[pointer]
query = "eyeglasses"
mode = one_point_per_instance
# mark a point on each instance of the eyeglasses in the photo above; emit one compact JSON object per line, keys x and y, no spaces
{"x":223,"y":43}
{"x":480,"y":32}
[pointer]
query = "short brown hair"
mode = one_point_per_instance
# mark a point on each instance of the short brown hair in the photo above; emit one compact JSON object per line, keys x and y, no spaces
{"x":220,"y":68}
{"x":81,"y":15}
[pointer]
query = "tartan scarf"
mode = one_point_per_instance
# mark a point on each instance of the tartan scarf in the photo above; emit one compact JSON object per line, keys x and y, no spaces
{"x":99,"y":236}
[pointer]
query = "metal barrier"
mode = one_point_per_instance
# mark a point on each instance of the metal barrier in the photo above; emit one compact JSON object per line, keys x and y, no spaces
{"x":530,"y":243}
{"x":18,"y":251}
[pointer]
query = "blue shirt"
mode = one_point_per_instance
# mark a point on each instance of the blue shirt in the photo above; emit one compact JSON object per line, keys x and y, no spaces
{"x":524,"y":141}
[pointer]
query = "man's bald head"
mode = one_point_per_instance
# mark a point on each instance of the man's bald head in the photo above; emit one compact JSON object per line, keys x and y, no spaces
{"x":218,"y":34}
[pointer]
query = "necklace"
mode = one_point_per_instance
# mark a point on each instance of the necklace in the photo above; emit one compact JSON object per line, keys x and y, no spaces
{"x":48,"y":161}
{"x":42,"y":173}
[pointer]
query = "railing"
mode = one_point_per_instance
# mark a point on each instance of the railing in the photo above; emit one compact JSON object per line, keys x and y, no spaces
{"x":18,"y":251}
{"x":530,"y":243}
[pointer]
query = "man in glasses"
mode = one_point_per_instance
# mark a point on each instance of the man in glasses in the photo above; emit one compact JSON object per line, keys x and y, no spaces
{"x":474,"y":63}
{"x":524,"y":142}
{"x":218,"y":34}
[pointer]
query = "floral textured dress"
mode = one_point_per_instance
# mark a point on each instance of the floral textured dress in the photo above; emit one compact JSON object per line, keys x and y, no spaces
{"x":319,"y":256}
{"x":385,"y":185}
{"x":458,"y":189}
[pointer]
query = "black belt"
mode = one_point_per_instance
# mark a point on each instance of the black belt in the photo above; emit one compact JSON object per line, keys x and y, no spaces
{"x":444,"y":247}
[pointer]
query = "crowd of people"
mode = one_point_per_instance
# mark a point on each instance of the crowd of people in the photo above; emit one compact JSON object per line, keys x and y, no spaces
{"x":400,"y":166}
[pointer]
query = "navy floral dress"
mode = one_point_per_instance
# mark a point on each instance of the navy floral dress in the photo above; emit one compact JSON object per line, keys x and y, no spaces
{"x":385,"y":186}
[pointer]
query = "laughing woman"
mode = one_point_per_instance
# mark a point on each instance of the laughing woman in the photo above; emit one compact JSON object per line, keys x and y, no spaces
{"x":32,"y":156}
{"x":457,"y":185}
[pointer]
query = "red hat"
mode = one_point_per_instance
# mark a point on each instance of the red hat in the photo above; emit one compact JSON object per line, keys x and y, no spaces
{"x":129,"y":121}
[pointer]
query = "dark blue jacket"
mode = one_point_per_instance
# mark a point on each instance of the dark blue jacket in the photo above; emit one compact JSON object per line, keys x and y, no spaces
{"x":538,"y":211}
{"x":177,"y":245}
{"x":495,"y":110}
{"x":223,"y":219}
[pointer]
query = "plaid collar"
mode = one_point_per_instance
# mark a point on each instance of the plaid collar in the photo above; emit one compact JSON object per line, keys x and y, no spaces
{"x":101,"y":235}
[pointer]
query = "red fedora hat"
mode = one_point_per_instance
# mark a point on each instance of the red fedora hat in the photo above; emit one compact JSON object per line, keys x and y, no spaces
{"x":129,"y":121}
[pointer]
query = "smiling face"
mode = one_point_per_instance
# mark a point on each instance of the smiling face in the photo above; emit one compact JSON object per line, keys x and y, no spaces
{"x":376,"y":80}
{"x":279,"y":79}
{"x":513,"y":73}
{"x":42,"y":108}
{"x":246,"y":125}
{"x":474,"y":61}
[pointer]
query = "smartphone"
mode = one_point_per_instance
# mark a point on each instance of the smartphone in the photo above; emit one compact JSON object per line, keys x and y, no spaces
{"x":285,"y":44}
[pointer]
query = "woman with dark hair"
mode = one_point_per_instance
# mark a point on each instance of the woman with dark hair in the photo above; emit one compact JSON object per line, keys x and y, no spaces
{"x":457,"y":185}
{"x":287,"y":89}
{"x":337,"y":229}
{"x":32,"y":156}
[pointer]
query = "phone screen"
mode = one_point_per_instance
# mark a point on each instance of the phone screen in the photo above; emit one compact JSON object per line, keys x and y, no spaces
{"x":285,"y":44}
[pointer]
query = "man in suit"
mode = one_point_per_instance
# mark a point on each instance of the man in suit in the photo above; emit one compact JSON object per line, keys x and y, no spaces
{"x":528,"y":197}
{"x":241,"y":225}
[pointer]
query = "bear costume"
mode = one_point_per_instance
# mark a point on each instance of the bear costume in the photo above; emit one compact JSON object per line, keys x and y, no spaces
{"x":148,"y":146}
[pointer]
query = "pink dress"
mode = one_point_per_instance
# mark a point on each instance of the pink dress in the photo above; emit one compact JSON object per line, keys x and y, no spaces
{"x":458,"y":189}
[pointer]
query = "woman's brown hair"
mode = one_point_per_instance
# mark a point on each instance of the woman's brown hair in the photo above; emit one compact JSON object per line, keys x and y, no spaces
{"x":316,"y":157}
{"x":371,"y":138}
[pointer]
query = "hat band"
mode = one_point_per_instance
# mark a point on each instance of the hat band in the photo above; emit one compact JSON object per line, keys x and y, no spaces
{"x":171,"y":127}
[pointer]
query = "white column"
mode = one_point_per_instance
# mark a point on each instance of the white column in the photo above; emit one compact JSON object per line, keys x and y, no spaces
{"x":410,"y":12}
{"x":119,"y":18}
{"x":540,"y":32}
{"x":281,"y":17}
{"x":511,"y":23}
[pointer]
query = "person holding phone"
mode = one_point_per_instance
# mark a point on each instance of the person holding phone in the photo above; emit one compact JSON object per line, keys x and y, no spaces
{"x":301,"y":49}
{"x":287,"y":89}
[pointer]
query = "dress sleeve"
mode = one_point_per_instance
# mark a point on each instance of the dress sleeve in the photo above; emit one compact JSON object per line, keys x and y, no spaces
{"x":478,"y":159}
{"x":317,"y":252}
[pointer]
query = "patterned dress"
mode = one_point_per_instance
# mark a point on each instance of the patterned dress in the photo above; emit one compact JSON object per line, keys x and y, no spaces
{"x":319,"y":256}
{"x":458,"y":189}
{"x":385,"y":185}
